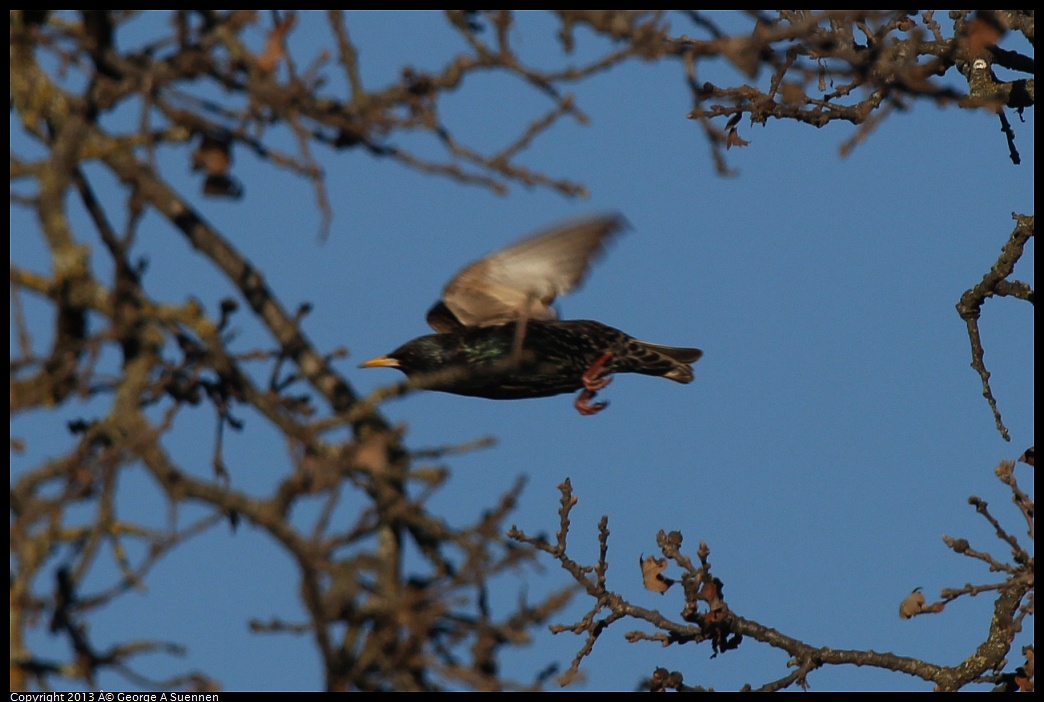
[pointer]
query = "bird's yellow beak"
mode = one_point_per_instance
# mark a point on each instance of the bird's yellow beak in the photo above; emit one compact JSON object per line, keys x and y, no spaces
{"x":380,"y":362}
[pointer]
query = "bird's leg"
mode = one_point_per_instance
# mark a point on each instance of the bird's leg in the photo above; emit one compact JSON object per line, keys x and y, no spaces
{"x":520,"y":331}
{"x":585,"y":409}
{"x":593,"y":382}
{"x":592,"y":377}
{"x":520,"y":336}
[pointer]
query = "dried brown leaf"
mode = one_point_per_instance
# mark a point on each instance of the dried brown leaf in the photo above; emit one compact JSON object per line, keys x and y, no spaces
{"x":213,"y":156}
{"x":652,"y":573}
{"x":983,"y":32}
{"x":733,"y":139}
{"x":912,"y":605}
{"x":275,"y":45}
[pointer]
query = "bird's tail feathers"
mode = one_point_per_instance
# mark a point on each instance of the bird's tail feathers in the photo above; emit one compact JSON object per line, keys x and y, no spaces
{"x":680,"y":370}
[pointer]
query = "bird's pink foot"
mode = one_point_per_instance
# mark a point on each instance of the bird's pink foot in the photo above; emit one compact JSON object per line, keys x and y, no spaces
{"x":593,"y":381}
{"x":585,"y":409}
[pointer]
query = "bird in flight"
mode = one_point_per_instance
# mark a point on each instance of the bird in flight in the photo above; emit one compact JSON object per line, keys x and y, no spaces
{"x":500,"y":338}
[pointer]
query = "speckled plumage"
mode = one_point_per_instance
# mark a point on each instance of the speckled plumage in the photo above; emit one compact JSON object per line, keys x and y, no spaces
{"x":499,"y":338}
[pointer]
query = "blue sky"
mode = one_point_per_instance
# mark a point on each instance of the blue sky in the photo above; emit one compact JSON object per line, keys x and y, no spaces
{"x":832,"y":434}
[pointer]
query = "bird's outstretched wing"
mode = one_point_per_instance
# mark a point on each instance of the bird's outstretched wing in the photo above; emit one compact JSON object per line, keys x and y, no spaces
{"x":520,"y":282}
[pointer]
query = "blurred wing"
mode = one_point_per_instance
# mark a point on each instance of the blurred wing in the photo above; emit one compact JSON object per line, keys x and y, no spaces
{"x":521,"y":281}
{"x":442,"y":320}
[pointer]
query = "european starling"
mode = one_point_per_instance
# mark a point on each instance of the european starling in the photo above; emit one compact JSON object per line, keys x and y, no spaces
{"x":498,"y":336}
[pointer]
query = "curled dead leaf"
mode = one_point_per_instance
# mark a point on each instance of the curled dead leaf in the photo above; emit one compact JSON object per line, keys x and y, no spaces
{"x":915,"y":604}
{"x":213,"y":156}
{"x":652,"y":573}
{"x":710,"y":591}
{"x":982,"y":32}
{"x":912,"y":604}
{"x":732,"y":138}
{"x":275,"y":46}
{"x":222,"y":186}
